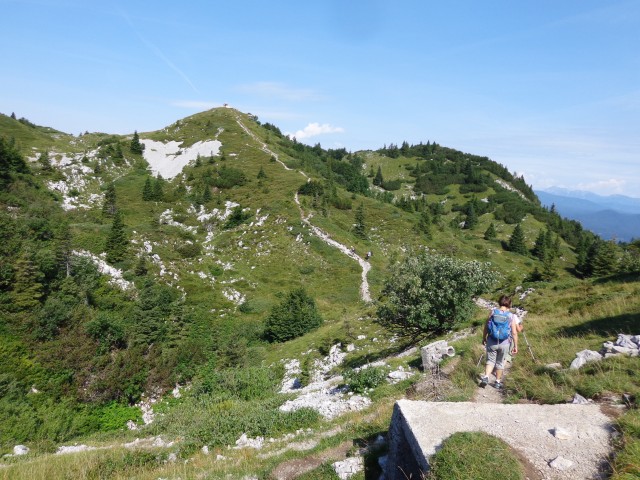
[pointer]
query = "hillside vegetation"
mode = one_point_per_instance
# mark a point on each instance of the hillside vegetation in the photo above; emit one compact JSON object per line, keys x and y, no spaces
{"x":118,"y":284}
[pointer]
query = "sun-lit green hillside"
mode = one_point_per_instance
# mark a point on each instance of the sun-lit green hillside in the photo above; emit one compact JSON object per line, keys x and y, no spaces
{"x":118,"y":283}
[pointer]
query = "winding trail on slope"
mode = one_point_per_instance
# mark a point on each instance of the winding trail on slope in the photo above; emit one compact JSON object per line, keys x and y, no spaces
{"x":306,"y":219}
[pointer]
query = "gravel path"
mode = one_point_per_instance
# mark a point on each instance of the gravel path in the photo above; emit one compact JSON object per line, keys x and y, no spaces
{"x":366,"y":266}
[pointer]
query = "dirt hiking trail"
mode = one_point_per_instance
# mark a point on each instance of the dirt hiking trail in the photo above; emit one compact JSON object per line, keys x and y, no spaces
{"x":306,"y":219}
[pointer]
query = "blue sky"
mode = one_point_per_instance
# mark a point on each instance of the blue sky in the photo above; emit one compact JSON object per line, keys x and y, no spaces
{"x":550,"y":89}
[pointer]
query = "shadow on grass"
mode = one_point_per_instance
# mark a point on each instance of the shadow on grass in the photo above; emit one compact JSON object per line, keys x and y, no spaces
{"x":618,"y":278}
{"x":364,"y":358}
{"x":374,"y":446}
{"x":606,"y":326}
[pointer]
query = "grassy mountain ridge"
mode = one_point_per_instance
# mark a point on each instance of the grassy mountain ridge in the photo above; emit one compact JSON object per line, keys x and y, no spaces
{"x":220,"y":269}
{"x":210,"y":252}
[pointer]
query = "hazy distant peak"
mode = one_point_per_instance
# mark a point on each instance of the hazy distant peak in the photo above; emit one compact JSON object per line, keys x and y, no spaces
{"x":615,"y":202}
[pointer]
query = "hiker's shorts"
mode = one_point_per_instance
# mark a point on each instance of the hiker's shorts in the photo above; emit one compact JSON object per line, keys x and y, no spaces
{"x":496,"y":353}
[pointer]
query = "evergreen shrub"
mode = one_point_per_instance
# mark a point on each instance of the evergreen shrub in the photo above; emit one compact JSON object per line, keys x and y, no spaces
{"x":293,"y":317}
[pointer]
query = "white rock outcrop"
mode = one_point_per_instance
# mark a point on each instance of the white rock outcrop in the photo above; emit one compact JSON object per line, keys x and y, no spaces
{"x":345,"y":469}
{"x":20,"y":450}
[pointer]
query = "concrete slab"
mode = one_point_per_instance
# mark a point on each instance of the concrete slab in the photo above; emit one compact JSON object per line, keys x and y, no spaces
{"x":418,"y":429}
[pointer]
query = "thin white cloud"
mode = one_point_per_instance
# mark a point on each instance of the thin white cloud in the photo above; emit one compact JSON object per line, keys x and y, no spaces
{"x":314,"y":129}
{"x":157,"y":52}
{"x":279,"y":90}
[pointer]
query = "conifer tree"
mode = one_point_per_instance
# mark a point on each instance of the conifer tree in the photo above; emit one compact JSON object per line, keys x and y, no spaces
{"x":158,"y":192}
{"x":516,"y":241}
{"x":136,"y":147}
{"x":206,"y":195}
{"x":540,"y":246}
{"x":27,"y":285}
{"x":490,"y":233}
{"x":141,"y":268}
{"x":109,"y":206}
{"x":117,"y":151}
{"x":261,"y":173}
{"x":147,"y":190}
{"x":293,"y":317}
{"x":359,"y":228}
{"x":549,"y":268}
{"x":117,"y":241}
{"x":582,"y":252}
{"x":555,"y":247}
{"x":604,"y":259}
{"x":45,"y":161}
{"x":472,"y":218}
{"x":10,"y":161}
{"x":378,"y":180}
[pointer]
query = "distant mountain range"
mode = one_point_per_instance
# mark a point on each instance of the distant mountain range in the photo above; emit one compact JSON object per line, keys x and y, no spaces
{"x":614,"y":216}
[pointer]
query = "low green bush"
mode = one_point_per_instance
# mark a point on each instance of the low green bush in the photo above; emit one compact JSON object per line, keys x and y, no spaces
{"x":248,"y":383}
{"x":216,"y":422}
{"x":365,"y":379}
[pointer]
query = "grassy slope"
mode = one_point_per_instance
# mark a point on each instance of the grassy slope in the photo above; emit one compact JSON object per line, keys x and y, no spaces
{"x":333,"y":280}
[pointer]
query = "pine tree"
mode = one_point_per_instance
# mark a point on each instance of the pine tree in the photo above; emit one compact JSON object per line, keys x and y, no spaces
{"x":549,"y":268}
{"x":378,"y":180}
{"x":516,"y":241}
{"x":582,"y":255}
{"x":604,"y":261}
{"x":117,"y":151}
{"x":147,"y":190}
{"x":136,"y":147}
{"x":540,"y":246}
{"x":45,"y":161}
{"x":472,"y":218}
{"x":109,"y":206}
{"x":206,"y":194}
{"x":141,"y":268}
{"x":27,"y":287}
{"x":158,"y":193}
{"x":117,"y":241}
{"x":296,"y":315}
{"x":555,"y":247}
{"x":261,"y":173}
{"x":490,"y":233}
{"x":359,"y":228}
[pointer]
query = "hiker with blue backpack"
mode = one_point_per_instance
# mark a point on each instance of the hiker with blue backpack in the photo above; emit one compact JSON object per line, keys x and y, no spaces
{"x":500,"y":336}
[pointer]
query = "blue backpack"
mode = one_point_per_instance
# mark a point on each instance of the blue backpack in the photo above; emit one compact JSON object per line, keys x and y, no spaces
{"x":499,"y":326}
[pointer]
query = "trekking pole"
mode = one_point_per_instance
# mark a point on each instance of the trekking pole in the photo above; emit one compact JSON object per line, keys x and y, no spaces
{"x":479,"y":360}
{"x":529,"y":346}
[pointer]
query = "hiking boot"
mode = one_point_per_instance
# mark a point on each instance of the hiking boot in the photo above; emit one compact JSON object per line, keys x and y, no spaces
{"x":498,"y":386}
{"x":484,"y":380}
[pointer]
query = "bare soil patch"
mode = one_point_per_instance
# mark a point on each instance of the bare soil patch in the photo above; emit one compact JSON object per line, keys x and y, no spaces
{"x":294,"y":468}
